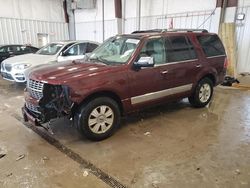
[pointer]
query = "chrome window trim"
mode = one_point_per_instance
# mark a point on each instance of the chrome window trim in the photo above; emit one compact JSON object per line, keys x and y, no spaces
{"x":175,"y":62}
{"x":159,"y":94}
{"x":216,"y":56}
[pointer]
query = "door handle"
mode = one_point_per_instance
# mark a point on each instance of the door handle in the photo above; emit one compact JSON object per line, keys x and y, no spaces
{"x":198,"y":65}
{"x":164,"y":72}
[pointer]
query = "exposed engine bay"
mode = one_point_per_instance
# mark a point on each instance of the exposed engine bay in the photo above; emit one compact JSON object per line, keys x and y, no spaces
{"x":55,"y":102}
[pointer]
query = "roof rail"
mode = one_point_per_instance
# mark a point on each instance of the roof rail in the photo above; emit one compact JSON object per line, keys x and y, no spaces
{"x":150,"y":31}
{"x":188,"y":30}
{"x":170,"y":30}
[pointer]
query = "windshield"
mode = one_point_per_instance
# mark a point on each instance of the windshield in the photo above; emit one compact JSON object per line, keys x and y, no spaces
{"x":116,"y":50}
{"x":50,"y":49}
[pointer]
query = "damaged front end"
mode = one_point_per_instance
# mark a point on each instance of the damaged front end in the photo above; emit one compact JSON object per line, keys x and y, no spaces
{"x":44,"y":102}
{"x":55,"y":102}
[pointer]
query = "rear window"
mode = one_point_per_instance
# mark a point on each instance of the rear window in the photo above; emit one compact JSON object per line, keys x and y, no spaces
{"x":179,"y":48}
{"x":211,"y":45}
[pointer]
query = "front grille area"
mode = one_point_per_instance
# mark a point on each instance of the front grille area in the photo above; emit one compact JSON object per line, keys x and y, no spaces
{"x":7,"y":67}
{"x":35,"y":88}
{"x":32,"y":107}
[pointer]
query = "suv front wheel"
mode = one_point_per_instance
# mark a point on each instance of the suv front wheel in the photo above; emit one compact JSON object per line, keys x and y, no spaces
{"x":202,"y":94}
{"x":99,"y":118}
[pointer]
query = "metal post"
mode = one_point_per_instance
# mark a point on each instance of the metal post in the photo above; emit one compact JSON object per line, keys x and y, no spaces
{"x":118,"y":15}
{"x":124,"y":15}
{"x":138,"y":15}
{"x":223,"y":11}
{"x":103,"y":25}
{"x":70,"y":12}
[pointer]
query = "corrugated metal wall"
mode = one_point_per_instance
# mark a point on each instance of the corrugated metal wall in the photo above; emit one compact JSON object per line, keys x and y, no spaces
{"x":21,"y":31}
{"x":198,"y":19}
{"x":93,"y":30}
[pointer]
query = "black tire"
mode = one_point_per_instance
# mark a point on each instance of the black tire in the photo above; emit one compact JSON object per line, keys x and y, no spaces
{"x":195,"y":99}
{"x":84,"y":115}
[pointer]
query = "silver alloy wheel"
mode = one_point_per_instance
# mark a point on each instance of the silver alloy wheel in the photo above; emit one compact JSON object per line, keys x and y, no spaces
{"x":101,"y":119}
{"x":205,"y":93}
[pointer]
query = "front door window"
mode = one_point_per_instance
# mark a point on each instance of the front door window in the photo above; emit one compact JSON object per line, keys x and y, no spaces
{"x":155,"y":48}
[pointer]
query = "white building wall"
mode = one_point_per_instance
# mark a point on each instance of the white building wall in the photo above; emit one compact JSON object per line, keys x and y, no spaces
{"x":242,"y":3}
{"x":154,"y":14}
{"x":45,"y":10}
{"x":89,"y":22}
{"x":243,"y":37}
{"x":87,"y":15}
{"x":22,"y":20}
{"x":161,"y":7}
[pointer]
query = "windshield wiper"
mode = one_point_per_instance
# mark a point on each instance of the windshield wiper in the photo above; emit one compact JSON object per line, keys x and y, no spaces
{"x":100,"y":60}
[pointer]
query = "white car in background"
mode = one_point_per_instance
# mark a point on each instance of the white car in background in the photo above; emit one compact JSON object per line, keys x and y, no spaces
{"x":16,"y":68}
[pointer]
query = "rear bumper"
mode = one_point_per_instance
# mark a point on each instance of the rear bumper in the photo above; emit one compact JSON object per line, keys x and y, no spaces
{"x":221,"y":77}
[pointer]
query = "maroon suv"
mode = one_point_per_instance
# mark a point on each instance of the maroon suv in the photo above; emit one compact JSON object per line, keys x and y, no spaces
{"x":127,"y":73}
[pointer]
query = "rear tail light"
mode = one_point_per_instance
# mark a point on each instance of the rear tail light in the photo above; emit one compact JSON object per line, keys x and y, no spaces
{"x":226,"y":63}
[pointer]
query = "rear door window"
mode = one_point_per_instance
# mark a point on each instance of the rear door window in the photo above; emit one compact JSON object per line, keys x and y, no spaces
{"x":23,"y":49}
{"x":11,"y":49}
{"x":179,"y":48}
{"x":211,"y":45}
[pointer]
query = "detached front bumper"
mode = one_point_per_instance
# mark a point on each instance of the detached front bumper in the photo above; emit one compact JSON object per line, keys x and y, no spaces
{"x":50,"y":102}
{"x":29,"y":117}
{"x":30,"y":109}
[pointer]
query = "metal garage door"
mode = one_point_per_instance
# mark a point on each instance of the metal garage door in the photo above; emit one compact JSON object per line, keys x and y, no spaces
{"x":243,"y":41}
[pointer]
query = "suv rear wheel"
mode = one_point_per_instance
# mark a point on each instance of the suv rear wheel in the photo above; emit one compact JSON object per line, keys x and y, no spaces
{"x":202,"y":94}
{"x":99,"y":118}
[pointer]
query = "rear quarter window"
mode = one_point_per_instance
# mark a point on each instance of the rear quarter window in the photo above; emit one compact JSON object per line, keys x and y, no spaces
{"x":211,"y":45}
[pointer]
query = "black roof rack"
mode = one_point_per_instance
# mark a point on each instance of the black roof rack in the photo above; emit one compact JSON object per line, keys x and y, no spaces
{"x":188,"y":30}
{"x":170,"y":30}
{"x":150,"y":31}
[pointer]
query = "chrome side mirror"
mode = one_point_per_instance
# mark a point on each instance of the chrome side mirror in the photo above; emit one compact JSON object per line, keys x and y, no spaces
{"x":144,"y":62}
